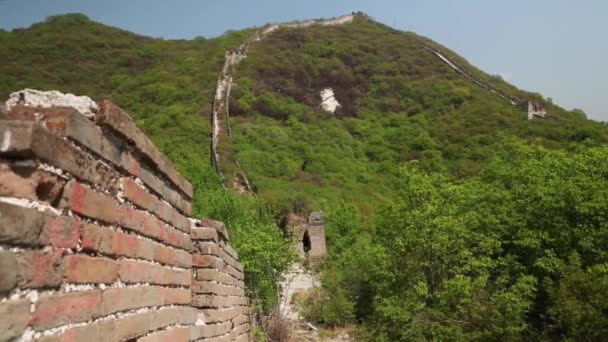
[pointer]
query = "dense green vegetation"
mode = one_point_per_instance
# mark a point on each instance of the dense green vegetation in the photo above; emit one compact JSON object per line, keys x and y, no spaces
{"x":450,"y":216}
{"x":517,"y":252}
{"x":399,"y":103}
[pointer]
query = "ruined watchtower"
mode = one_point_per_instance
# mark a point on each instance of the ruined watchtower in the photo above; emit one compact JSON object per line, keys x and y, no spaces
{"x":534,"y":109}
{"x":309,"y":234}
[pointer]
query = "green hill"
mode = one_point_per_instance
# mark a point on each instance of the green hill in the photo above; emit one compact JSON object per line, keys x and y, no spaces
{"x":398,"y":103}
{"x":450,"y":215}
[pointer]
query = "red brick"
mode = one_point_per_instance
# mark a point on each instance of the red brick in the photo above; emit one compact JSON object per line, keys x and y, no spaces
{"x":143,"y":272}
{"x":134,"y":325}
{"x":107,"y":241}
{"x":61,"y":231}
{"x":207,"y":274}
{"x":60,"y":309}
{"x":128,"y":298}
{"x":169,"y":214}
{"x":217,"y":225}
{"x":164,"y":254}
{"x":211,"y":330}
{"x":31,"y":139}
{"x":208,"y":261}
{"x":174,"y":315}
{"x":15,"y":316}
{"x":150,"y":226}
{"x":204,"y":234}
{"x":100,"y":331}
{"x":176,"y":295}
{"x":86,"y":269}
{"x":173,"y":334}
{"x":208,"y":248}
{"x":215,"y":301}
{"x":40,"y":269}
{"x":235,"y":273}
{"x":111,"y":115}
{"x":138,"y":195}
{"x":85,"y":201}
{"x":183,"y":258}
{"x":142,"y":222}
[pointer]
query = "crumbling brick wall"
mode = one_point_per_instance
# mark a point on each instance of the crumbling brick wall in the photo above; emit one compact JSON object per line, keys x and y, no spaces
{"x":96,"y":239}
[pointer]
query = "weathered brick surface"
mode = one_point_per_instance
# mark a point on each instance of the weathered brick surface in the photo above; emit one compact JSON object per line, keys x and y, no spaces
{"x":129,"y":298}
{"x":210,"y":316}
{"x":134,"y":325}
{"x":20,"y":225}
{"x":208,"y":261}
{"x":143,"y":272}
{"x":40,"y":269}
{"x":208,"y":248}
{"x":235,"y":273}
{"x":211,"y":330}
{"x":177,"y":334}
{"x":240,"y":319}
{"x":99,"y":331}
{"x":86,"y":269}
{"x":29,"y":139}
{"x":242,"y":338}
{"x":88,"y":202}
{"x":75,"y":307}
{"x":214,"y":301}
{"x":14,"y":318}
{"x":147,"y":201}
{"x":139,"y":324}
{"x":204,"y":234}
{"x":238,"y":331}
{"x":8,"y":275}
{"x":217,"y":225}
{"x":151,"y":226}
{"x":231,"y":252}
{"x":114,"y":117}
{"x":61,"y":231}
{"x":211,"y":287}
{"x":128,"y":263}
{"x":111,"y":242}
{"x":208,"y":274}
{"x":25,"y":181}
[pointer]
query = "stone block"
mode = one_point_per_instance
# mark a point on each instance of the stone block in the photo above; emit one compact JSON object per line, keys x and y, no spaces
{"x":86,"y":269}
{"x":60,"y":309}
{"x":15,"y":319}
{"x":114,"y":117}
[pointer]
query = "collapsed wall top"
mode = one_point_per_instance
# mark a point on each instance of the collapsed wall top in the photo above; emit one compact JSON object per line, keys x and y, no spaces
{"x":30,"y":104}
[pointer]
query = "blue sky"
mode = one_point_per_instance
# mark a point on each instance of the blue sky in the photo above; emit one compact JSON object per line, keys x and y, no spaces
{"x":555,"y":47}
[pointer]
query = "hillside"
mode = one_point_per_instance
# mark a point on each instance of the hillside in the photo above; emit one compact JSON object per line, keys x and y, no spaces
{"x":398,"y":103}
{"x":449,"y":215}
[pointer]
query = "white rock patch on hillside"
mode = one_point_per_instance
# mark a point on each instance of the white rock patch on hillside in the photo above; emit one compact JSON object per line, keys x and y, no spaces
{"x":328,"y":100}
{"x":53,"y":98}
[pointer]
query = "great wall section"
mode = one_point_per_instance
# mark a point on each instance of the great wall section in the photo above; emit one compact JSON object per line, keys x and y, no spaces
{"x":97,"y":242}
{"x":220,"y":116}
